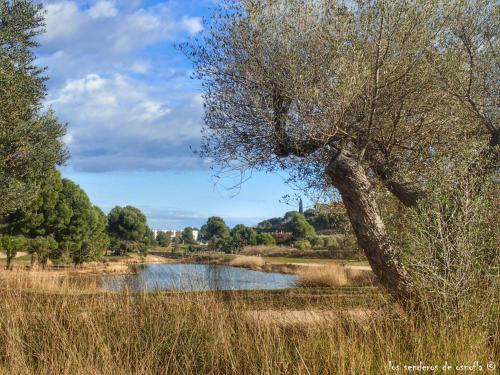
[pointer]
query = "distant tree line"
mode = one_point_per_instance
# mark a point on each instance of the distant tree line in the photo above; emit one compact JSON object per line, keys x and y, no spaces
{"x":295,"y":228}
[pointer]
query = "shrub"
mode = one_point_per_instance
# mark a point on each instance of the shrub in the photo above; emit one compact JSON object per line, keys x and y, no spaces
{"x":302,"y":245}
{"x":334,"y":275}
{"x":317,"y":242}
{"x":450,"y":240}
{"x":247,"y":261}
{"x":265,"y":239}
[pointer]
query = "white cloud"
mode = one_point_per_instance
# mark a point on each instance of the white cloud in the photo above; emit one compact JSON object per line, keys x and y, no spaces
{"x":193,"y":24}
{"x":103,"y":9}
{"x":103,"y":27}
{"x":140,"y":67}
{"x":117,"y":119}
{"x":62,"y":19}
{"x":126,"y":108}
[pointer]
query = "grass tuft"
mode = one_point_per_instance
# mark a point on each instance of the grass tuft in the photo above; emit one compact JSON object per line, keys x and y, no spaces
{"x":333,"y":275}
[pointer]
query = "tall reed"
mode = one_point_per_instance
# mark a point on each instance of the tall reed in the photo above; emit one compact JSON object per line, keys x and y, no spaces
{"x":217,"y":333}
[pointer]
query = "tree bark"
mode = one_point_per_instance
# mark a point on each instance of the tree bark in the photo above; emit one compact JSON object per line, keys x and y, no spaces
{"x":405,"y":192}
{"x":350,"y":178}
{"x":8,"y":261}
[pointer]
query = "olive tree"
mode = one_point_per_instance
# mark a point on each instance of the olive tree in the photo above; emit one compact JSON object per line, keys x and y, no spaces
{"x":345,"y":95}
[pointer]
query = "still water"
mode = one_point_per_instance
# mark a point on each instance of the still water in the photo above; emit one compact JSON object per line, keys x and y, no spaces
{"x":192,"y":277}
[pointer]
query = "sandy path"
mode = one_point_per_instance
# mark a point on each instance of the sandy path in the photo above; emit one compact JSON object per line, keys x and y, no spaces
{"x":18,"y":255}
{"x":354,"y":267}
{"x":309,"y":316}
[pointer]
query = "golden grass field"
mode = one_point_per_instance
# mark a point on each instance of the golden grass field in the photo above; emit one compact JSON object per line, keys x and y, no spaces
{"x":58,"y":326}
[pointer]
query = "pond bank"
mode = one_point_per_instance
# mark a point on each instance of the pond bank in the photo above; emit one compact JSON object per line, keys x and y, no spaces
{"x":119,"y":265}
{"x":324,"y":273}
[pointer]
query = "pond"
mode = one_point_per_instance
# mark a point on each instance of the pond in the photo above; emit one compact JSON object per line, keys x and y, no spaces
{"x":196,"y":277}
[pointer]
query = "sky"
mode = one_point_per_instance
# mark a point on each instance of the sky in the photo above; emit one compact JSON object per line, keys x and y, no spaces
{"x":134,"y":114}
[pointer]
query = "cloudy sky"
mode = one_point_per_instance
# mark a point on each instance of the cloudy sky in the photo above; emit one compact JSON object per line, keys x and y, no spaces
{"x":134,"y":114}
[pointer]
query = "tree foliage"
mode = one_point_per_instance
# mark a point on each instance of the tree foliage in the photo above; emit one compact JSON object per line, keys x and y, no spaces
{"x":128,"y":229}
{"x":270,"y":225}
{"x":297,"y":224}
{"x":61,"y":212}
{"x":265,"y":239}
{"x":43,"y":248}
{"x":30,"y":139}
{"x":187,"y":236}
{"x":11,"y":245}
{"x":163,"y":239}
{"x":327,"y":220}
{"x":215,"y":227}
{"x":242,"y":236}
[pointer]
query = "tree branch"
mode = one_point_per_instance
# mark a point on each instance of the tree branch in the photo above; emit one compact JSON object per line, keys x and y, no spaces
{"x":284,"y":145}
{"x":406,"y":192}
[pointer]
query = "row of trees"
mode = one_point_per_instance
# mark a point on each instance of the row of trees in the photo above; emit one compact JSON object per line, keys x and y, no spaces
{"x":301,"y":233}
{"x":63,"y":225}
{"x":298,"y":229}
{"x":220,"y":237}
{"x":60,"y":223}
{"x":325,"y":220}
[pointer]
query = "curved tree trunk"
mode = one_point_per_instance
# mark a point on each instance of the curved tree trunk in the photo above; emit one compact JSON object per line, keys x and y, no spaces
{"x":349,"y":177}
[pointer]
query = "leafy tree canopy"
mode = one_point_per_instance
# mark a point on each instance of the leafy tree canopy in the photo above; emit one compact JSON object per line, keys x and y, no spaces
{"x":128,"y":224}
{"x":215,"y":227}
{"x":30,"y":139}
{"x":296,"y":223}
{"x":243,"y":236}
{"x":163,"y":239}
{"x":265,"y":239}
{"x":187,"y":236}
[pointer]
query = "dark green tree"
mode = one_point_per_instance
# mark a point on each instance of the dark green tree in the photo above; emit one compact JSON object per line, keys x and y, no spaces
{"x":215,"y":227}
{"x":129,"y":231}
{"x":30,"y":139}
{"x":297,"y":224}
{"x":163,"y":239}
{"x":86,"y":226}
{"x":334,"y":220}
{"x":42,"y":248}
{"x":265,"y":239}
{"x":11,"y":245}
{"x":187,"y":236}
{"x":47,"y":215}
{"x":301,"y":206}
{"x":270,"y":225}
{"x":243,"y":236}
{"x":63,"y":211}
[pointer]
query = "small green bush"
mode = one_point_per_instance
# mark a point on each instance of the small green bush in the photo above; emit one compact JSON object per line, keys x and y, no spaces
{"x":302,"y":245}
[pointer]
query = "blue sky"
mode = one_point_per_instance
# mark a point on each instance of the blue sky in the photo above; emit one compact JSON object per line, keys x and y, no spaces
{"x":135,"y":115}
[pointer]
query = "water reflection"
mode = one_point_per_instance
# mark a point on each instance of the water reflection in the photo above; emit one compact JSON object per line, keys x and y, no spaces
{"x":192,"y":277}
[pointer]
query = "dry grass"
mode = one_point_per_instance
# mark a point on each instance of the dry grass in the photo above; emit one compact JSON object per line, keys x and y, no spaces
{"x":267,"y":250}
{"x":253,"y":262}
{"x":282,"y":268}
{"x":209,"y":333}
{"x":333,"y":275}
{"x":49,"y":281}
